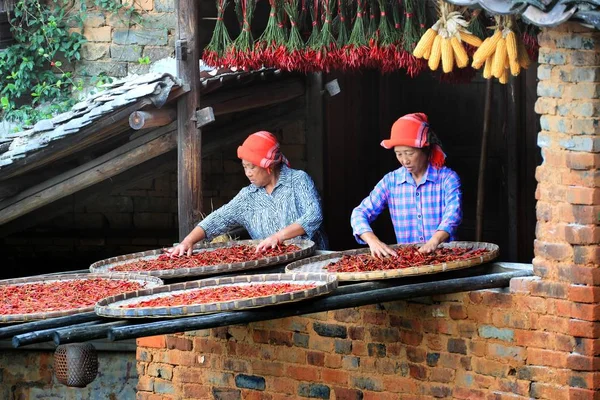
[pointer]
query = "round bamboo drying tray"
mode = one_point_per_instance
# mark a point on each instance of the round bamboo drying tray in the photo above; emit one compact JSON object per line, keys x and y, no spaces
{"x":307,"y":248}
{"x":149,"y":281}
{"x":318,"y":264}
{"x":111,"y":306}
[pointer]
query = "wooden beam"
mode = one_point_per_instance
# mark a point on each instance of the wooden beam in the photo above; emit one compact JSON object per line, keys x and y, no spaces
{"x":314,"y":129}
{"x":104,"y":167}
{"x":189,"y":137}
{"x":513,"y":132}
{"x":152,"y":118}
{"x":253,"y":96}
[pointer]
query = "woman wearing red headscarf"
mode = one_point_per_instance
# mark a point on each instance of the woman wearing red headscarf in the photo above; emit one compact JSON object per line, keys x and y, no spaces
{"x":280,"y":203}
{"x":423,"y":196}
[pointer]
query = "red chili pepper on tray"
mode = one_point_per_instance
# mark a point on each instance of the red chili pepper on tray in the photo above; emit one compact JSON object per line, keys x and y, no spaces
{"x":406,"y":257}
{"x":221,"y":294}
{"x":32,"y":298}
{"x":224,"y":255}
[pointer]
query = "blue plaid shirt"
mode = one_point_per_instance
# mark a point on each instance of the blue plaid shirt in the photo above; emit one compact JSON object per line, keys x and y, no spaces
{"x":293,"y":199}
{"x":417,"y":211}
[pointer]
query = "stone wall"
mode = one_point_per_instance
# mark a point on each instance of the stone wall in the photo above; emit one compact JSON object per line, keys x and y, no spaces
{"x":116,"y":42}
{"x":536,"y":339}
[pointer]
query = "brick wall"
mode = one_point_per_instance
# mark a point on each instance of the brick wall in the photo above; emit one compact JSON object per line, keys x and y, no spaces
{"x":536,"y":339}
{"x":26,"y":374}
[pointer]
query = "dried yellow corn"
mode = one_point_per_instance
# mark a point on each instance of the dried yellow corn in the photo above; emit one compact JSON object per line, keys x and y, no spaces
{"x":504,"y":77}
{"x":470,"y":39}
{"x":515,"y":68}
{"x":487,"y":48}
{"x":460,"y":54}
{"x":523,"y":57}
{"x":511,"y":46}
{"x":424,"y":43}
{"x":487,"y":70}
{"x":499,"y":58}
{"x":436,"y":53}
{"x":447,"y":56}
{"x":427,"y":53}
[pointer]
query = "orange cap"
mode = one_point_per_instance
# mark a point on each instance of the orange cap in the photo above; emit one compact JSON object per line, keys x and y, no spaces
{"x":409,"y":130}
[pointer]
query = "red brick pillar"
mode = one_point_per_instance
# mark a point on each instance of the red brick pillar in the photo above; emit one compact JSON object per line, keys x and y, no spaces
{"x":567,"y":255}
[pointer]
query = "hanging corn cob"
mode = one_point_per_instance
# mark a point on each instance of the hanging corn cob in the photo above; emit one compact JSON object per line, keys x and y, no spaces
{"x":503,"y":53}
{"x":443,"y":41}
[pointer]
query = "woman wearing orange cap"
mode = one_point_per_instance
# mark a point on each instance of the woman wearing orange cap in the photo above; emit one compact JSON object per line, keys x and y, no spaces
{"x":423,"y":196}
{"x":280,"y":203}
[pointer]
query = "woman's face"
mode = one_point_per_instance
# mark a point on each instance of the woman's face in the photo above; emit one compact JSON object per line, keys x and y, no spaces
{"x":412,"y":158}
{"x":258,"y":176}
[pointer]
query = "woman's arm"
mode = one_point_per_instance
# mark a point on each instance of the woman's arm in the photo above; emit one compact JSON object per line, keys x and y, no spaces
{"x":368,"y":210}
{"x":311,"y":215}
{"x":186,"y":245}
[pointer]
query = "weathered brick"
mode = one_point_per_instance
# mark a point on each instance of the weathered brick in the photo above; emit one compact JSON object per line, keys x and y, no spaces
{"x":550,"y":89}
{"x":549,"y":289}
{"x":158,"y":342}
{"x":376,"y":349}
{"x":548,"y":391}
{"x":151,"y":37}
{"x":583,"y":195}
{"x":126,"y":53}
{"x":164,"y":5}
{"x":458,"y":312}
{"x":356,"y":332}
{"x":163,"y":387}
{"x":488,"y":332}
{"x":411,"y":338}
{"x":300,"y":339}
{"x":506,"y":353}
{"x":546,"y":358}
{"x":552,"y":251}
{"x":489,"y":367}
{"x":179,"y":343}
{"x":545,"y":106}
{"x":416,"y":354}
{"x":579,"y":362}
{"x":584,"y":126}
{"x":552,"y":56}
{"x":250,"y":382}
{"x":590,"y":144}
{"x":315,"y":358}
{"x":457,"y":346}
{"x":163,"y":371}
{"x":330,"y":330}
{"x":94,"y":51}
{"x":347,"y":315}
{"x":314,"y":390}
{"x":101,"y":34}
{"x":347,"y":394}
{"x":226,"y":394}
{"x":417,"y":371}
{"x":384,"y":335}
{"x":343,"y":346}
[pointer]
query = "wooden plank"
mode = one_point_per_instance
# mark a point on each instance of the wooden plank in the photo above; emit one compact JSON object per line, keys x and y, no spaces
{"x":189,"y":137}
{"x":487,"y":117}
{"x":82,"y":139}
{"x":314,"y":129}
{"x":82,"y":177}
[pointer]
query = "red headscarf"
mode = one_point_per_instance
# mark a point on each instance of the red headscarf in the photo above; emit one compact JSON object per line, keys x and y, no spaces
{"x":262,"y":149}
{"x":413,"y":130}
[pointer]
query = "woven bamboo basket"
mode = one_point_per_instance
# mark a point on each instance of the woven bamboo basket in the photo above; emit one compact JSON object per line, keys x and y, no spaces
{"x":318,"y":264}
{"x":148,"y":281}
{"x":307,"y":248}
{"x":112,"y":306}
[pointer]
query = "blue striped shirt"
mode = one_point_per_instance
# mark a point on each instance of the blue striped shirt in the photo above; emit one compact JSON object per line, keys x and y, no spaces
{"x":293,"y":199}
{"x":417,"y":211}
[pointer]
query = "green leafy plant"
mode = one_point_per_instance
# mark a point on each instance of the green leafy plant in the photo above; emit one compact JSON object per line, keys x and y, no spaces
{"x":36,"y":81}
{"x":144,"y":60}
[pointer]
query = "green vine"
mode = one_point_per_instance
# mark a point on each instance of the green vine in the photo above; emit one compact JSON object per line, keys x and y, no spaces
{"x":36,"y":81}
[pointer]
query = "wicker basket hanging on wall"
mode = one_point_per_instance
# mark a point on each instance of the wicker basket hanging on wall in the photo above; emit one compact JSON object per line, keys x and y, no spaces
{"x":76,"y":364}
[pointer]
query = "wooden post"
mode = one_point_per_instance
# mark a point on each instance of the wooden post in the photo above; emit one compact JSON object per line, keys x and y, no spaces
{"x":487,"y":116}
{"x":189,"y":138}
{"x":512,"y":176}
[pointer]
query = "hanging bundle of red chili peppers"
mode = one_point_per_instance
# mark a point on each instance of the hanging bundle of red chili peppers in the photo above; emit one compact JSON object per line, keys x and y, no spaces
{"x":241,"y":52}
{"x":383,"y":50}
{"x":313,"y":45}
{"x":270,"y":46}
{"x":326,"y":45}
{"x":408,"y":256}
{"x":294,"y":47}
{"x":220,"y":41}
{"x":356,"y":53}
{"x":224,"y":255}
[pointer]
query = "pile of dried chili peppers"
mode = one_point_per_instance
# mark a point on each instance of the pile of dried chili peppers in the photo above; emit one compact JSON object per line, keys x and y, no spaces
{"x":408,"y":256}
{"x":224,"y":255}
{"x":221,"y":294}
{"x":60,"y":295}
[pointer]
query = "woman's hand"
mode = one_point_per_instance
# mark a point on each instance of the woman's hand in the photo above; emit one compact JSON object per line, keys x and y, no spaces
{"x":183,"y":248}
{"x":269,"y":243}
{"x":430,"y":246}
{"x":378,"y":248}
